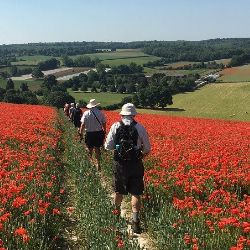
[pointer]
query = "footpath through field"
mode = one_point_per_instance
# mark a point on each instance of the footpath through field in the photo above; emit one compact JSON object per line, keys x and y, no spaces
{"x":89,"y":221}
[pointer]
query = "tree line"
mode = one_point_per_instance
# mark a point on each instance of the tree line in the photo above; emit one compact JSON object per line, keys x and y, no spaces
{"x":151,"y":92}
{"x":171,"y":51}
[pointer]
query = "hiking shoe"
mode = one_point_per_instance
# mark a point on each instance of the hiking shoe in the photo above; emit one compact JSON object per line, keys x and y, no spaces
{"x":136,"y":227}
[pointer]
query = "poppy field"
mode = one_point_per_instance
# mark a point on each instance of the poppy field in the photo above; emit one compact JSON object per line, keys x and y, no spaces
{"x":197,"y":193}
{"x":197,"y":182}
{"x":29,"y":189}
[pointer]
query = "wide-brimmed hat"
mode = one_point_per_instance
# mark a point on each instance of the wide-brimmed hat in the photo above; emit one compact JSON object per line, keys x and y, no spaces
{"x":128,"y":109}
{"x":92,"y":103}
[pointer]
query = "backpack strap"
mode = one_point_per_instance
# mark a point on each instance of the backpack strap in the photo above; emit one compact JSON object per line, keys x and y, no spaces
{"x":95,"y":116}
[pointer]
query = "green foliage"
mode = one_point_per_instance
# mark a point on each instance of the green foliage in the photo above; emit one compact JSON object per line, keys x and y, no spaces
{"x":49,"y":82}
{"x":48,"y":64}
{"x":37,"y":73}
{"x":10,"y":84}
{"x":23,"y":97}
{"x":82,"y":103}
{"x":57,"y":99}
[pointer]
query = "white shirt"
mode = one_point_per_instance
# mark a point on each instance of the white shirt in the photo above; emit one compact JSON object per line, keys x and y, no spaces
{"x":143,"y":140}
{"x":90,"y":121}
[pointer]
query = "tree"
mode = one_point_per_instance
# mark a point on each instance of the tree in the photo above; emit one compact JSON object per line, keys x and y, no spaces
{"x":84,"y":86}
{"x":121,"y":88}
{"x":82,"y":103}
{"x":48,"y":64}
{"x":127,"y":99}
{"x":58,"y":99}
{"x":4,"y":75}
{"x":2,"y":93}
{"x":112,"y":88}
{"x":74,"y":87}
{"x":29,"y":97}
{"x":93,"y":89}
{"x":10,"y":84}
{"x":131,"y":88}
{"x":14,"y":70}
{"x":49,"y":81}
{"x":12,"y":96}
{"x":24,"y":87}
{"x":37,"y":73}
{"x":67,"y":61}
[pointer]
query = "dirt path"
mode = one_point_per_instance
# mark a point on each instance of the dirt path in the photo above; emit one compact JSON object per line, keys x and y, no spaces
{"x":69,"y":238}
{"x":126,"y":213}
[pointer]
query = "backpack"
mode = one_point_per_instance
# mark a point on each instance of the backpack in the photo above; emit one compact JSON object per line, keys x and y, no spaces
{"x":77,"y":114}
{"x":126,"y":142}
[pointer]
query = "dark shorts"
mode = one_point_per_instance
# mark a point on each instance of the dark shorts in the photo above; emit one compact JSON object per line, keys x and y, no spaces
{"x":128,"y":177}
{"x":77,"y":124}
{"x":94,"y":139}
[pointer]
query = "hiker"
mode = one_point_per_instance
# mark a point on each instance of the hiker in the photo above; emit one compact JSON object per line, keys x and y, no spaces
{"x":72,"y":106}
{"x":94,"y":123}
{"x":77,"y":115}
{"x":128,"y":172}
{"x":66,"y":109}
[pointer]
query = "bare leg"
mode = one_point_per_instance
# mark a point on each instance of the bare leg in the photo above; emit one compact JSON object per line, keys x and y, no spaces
{"x":98,"y":157}
{"x":118,"y":199}
{"x":90,"y":152}
{"x":135,"y":202}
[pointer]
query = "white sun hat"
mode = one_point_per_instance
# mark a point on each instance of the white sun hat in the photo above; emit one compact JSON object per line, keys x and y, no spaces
{"x":128,"y":109}
{"x":92,"y":103}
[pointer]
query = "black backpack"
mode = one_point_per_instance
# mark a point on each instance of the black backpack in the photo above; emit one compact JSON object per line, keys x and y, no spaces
{"x":126,"y":142}
{"x":77,"y":112}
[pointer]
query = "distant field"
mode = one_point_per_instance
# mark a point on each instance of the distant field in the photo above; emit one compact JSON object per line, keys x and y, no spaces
{"x":235,"y":74}
{"x":32,"y":84}
{"x":104,"y":98}
{"x":127,"y":61}
{"x":32,"y":60}
{"x":228,"y":101}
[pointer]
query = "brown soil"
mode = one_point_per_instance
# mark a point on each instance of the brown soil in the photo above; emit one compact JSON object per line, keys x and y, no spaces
{"x":70,"y":71}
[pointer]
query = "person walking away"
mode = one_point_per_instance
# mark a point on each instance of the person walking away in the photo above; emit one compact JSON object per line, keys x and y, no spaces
{"x":128,"y":169}
{"x":77,"y":115}
{"x":66,"y":109}
{"x":94,"y":123}
{"x":72,"y":106}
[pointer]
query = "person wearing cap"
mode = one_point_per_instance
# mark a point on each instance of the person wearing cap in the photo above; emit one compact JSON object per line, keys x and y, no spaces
{"x":128,"y":175}
{"x":93,"y":121}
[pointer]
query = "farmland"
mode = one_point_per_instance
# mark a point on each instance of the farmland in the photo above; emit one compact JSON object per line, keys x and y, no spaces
{"x":235,"y":74}
{"x":197,"y":184}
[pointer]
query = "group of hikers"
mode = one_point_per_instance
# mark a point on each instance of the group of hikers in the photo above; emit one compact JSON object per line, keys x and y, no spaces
{"x":129,"y":142}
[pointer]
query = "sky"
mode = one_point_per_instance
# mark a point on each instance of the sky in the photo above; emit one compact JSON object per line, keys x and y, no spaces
{"x":29,"y":21}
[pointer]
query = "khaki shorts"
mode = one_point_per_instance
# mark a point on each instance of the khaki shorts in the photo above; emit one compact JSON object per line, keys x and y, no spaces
{"x":128,"y":177}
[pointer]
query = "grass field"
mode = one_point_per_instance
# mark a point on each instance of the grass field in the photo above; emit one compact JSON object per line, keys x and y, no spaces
{"x":32,"y":84}
{"x":228,"y":101}
{"x":104,"y":98}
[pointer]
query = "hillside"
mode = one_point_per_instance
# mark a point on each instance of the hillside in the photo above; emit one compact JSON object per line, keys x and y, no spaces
{"x":229,"y":101}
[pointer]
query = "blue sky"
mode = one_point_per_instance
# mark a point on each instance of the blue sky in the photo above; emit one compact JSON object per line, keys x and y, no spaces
{"x":27,"y":21}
